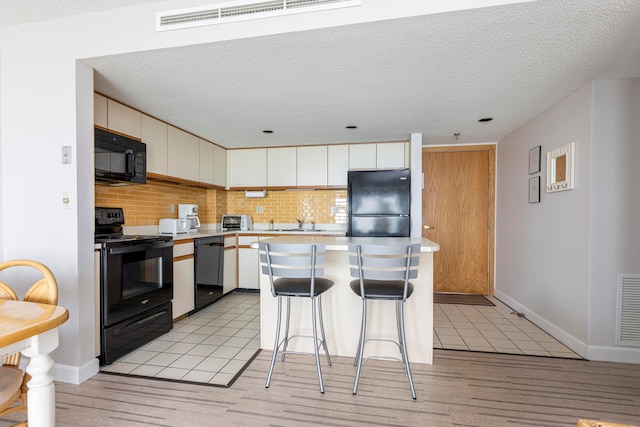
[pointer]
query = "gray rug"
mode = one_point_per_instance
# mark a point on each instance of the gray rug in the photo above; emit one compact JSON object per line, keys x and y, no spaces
{"x":466,"y":299}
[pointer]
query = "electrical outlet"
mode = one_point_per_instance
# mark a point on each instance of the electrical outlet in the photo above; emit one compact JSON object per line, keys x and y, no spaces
{"x":173,"y":208}
{"x":334,"y":209}
{"x":259,"y":209}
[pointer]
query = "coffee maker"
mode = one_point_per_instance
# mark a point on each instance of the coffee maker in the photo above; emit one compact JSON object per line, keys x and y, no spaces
{"x":190,"y":212}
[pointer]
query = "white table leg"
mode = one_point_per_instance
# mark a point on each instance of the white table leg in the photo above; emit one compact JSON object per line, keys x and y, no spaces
{"x":41,"y":394}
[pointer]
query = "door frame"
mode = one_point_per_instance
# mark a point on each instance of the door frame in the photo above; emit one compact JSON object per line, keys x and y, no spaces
{"x":491,"y":149}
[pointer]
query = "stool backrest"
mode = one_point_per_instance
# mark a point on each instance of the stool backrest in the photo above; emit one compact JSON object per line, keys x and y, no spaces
{"x":292,"y":260}
{"x":384,"y":263}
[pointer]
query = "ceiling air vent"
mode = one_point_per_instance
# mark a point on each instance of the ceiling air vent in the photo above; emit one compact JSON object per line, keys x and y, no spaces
{"x":628,"y":313}
{"x":242,"y":10}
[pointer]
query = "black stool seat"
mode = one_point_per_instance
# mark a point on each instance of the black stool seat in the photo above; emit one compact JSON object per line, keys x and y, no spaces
{"x":288,"y":287}
{"x":382,"y":289}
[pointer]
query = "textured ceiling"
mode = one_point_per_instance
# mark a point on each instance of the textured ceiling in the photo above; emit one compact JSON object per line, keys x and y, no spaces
{"x":433,"y":74}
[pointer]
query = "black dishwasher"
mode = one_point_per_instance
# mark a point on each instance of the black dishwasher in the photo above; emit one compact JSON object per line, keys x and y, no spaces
{"x":209,"y":264}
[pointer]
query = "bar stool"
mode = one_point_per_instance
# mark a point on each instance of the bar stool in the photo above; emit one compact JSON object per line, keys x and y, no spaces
{"x":383,"y":273}
{"x":294,"y":271}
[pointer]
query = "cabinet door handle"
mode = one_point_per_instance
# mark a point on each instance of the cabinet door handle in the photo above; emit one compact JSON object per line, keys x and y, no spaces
{"x":428,"y":227}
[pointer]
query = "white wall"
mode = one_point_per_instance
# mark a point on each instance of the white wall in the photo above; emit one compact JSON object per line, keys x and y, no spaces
{"x":417,"y":181}
{"x":558,"y":261}
{"x":615,"y":209}
{"x":542,"y":248}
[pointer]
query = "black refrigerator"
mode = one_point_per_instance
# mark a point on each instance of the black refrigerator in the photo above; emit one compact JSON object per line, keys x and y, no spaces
{"x":379,"y":203}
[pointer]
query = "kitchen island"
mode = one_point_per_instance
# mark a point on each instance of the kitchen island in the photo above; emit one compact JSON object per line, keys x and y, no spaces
{"x":342,"y":309}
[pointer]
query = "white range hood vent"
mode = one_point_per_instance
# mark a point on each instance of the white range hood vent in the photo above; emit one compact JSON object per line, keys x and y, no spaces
{"x":255,"y":193}
{"x":242,"y":10}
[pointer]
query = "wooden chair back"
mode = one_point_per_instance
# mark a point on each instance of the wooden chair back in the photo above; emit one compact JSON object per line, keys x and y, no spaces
{"x":44,"y":291}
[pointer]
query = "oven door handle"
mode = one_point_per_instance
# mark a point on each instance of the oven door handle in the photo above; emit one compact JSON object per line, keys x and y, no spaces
{"x":140,"y":247}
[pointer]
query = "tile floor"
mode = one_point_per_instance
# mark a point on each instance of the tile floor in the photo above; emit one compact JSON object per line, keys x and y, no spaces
{"x":492,"y":329}
{"x":211,"y":346}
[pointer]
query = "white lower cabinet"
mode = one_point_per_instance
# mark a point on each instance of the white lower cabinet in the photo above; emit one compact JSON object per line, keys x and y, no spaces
{"x":230,"y":271}
{"x":183,"y":278}
{"x":248,"y":263}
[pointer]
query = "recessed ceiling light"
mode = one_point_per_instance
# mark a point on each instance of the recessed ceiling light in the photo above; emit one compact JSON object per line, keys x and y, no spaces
{"x":352,"y":127}
{"x":485,"y":119}
{"x":267,"y":131}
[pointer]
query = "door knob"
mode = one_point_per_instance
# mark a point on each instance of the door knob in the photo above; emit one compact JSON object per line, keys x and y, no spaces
{"x":428,"y":227}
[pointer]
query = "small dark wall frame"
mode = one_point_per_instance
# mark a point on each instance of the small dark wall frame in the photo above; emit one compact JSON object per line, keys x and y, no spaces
{"x":534,"y":159}
{"x":534,"y":189}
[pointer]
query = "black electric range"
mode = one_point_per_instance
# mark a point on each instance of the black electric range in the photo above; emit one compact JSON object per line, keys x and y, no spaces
{"x":136,"y":286}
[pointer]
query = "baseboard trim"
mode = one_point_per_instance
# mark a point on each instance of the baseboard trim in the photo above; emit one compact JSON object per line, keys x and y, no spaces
{"x":613,"y":354}
{"x":74,"y":374}
{"x":575,"y":344}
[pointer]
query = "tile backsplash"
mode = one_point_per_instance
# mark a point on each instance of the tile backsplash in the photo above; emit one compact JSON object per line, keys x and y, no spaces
{"x":146,"y":204}
{"x":285,"y":206}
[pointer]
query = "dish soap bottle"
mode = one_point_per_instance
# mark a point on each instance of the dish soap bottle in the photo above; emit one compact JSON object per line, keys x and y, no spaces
{"x":271,"y":224}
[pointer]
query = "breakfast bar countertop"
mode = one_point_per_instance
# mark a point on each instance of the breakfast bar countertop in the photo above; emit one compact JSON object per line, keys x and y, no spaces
{"x":341,"y":243}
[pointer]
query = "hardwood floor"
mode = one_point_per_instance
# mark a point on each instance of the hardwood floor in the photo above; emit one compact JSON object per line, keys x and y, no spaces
{"x":461,"y":388}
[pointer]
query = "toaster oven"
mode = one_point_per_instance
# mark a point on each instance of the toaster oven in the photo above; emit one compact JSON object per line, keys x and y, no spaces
{"x":236,"y":222}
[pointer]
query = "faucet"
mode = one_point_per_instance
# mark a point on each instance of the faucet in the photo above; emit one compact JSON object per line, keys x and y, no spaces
{"x":313,"y":225}
{"x":300,"y":223}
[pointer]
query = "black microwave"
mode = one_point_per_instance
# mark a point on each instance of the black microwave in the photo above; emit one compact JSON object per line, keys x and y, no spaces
{"x":119,"y":159}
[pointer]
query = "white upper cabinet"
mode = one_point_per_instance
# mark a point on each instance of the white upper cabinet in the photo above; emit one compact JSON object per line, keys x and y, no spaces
{"x":100,"y":117}
{"x":219,"y":166}
{"x":248,"y":168}
{"x":206,"y":162}
{"x":123,"y":119}
{"x":154,"y":134}
{"x":312,"y":166}
{"x":337,"y":165}
{"x":281,"y":167}
{"x":183,"y":154}
{"x":362,"y":156}
{"x":391,"y":155}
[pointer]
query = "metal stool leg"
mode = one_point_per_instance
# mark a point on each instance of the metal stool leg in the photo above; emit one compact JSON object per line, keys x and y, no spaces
{"x":275,"y":345}
{"x":398,"y":321}
{"x":403,"y":343}
{"x":360,"y":340}
{"x":360,"y":354}
{"x":315,"y":343}
{"x":324,"y":339}
{"x":286,"y":330}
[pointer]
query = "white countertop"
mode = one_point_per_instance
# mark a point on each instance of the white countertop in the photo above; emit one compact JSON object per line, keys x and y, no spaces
{"x":341,"y":243}
{"x":204,"y":232}
{"x":292,"y":232}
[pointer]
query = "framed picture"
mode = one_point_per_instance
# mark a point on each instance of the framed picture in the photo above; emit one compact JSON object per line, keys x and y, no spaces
{"x":534,"y":160}
{"x":534,"y":189}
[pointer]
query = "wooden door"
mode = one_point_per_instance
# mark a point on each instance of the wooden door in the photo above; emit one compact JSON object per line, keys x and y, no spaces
{"x":457,"y":213}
